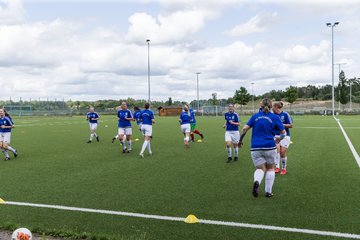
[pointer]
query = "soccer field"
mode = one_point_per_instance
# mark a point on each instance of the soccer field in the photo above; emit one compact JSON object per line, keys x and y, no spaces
{"x":55,"y":166}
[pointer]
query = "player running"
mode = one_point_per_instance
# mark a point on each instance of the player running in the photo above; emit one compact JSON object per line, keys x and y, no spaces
{"x":263,"y":145}
{"x":147,"y":120}
{"x":232,"y":135}
{"x":284,"y":144}
{"x":193,"y":125}
{"x":125,"y":131}
{"x":184,"y":120}
{"x":137,"y":117}
{"x":93,"y":118}
{"x":6,"y":124}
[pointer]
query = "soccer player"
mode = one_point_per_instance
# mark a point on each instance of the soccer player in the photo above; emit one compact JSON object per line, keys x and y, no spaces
{"x":184,"y":120}
{"x":147,"y":120}
{"x":137,"y":117}
{"x":125,"y":131}
{"x":263,"y":146}
{"x":284,"y":144}
{"x":6,"y":124}
{"x":93,"y":118}
{"x":232,"y":135}
{"x":193,"y":125}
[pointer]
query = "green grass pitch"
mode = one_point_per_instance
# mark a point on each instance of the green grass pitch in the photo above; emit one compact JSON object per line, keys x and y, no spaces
{"x":56,"y":166}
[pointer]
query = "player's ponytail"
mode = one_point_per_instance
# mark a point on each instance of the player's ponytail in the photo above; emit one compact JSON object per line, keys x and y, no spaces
{"x":266,"y":105}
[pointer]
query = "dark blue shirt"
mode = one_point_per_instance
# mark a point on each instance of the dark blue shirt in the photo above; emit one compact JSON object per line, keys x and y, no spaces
{"x":285,"y":119}
{"x":122,"y":114}
{"x":231,"y":117}
{"x":6,"y":121}
{"x":264,"y":127}
{"x":147,"y":116}
{"x":185,"y":118}
{"x":192,"y":115}
{"x":91,"y":115}
{"x":137,"y":117}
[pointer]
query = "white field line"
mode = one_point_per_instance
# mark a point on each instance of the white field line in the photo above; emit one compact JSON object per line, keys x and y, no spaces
{"x":181,"y":219}
{"x":351,"y":146}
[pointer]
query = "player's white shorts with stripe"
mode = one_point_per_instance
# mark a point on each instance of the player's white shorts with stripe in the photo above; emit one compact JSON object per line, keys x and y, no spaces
{"x":232,"y":136}
{"x":264,"y":156}
{"x":125,"y":131}
{"x":285,"y":142}
{"x":146,"y":130}
{"x":5,"y":137}
{"x":185,"y":128}
{"x":93,"y":126}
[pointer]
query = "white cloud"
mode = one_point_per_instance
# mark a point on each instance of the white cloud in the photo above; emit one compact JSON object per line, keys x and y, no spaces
{"x":11,"y":11}
{"x":256,"y":24}
{"x":315,"y":54}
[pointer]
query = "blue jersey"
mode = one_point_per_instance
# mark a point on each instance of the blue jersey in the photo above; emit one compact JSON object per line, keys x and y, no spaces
{"x":91,"y":115}
{"x":6,"y":121}
{"x":147,"y":116}
{"x":122,"y":114}
{"x":285,"y":119}
{"x":231,"y":117}
{"x":264,"y":127}
{"x":137,"y":117}
{"x":192,"y":115}
{"x":185,"y":118}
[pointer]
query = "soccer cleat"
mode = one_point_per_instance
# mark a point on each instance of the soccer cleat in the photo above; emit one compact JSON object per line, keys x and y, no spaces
{"x":283,"y":171}
{"x":202,"y":136}
{"x":277,"y":170}
{"x":128,"y":151}
{"x":141,"y":155}
{"x":229,"y":160}
{"x":192,"y":140}
{"x":150,"y":153}
{"x":97,"y":138}
{"x":235,"y":159}
{"x":89,"y":141}
{"x":7,"y":159}
{"x":255,"y":191}
{"x":113,"y":140}
{"x":124,"y":150}
{"x":269,"y":195}
{"x":15,"y":153}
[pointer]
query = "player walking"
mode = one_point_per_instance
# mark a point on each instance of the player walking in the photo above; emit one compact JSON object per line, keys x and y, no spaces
{"x":124,"y":127}
{"x":93,"y":118}
{"x":184,"y":120}
{"x":232,"y":135}
{"x":6,"y":124}
{"x":284,"y":144}
{"x":147,"y":120}
{"x":263,"y":146}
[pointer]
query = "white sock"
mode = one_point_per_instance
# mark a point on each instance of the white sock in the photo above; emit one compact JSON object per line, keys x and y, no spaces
{"x":149,"y":147}
{"x":186,"y":139}
{"x":283,"y":161}
{"x":269,"y":181}
{"x":145,"y":144}
{"x":236,"y":152}
{"x":5,"y":153}
{"x":116,"y":137}
{"x":258,"y":175}
{"x":123,"y":144}
{"x":11,"y":149}
{"x":228,"y":149}
{"x":277,"y":160}
{"x":95,"y":134}
{"x":129,"y":144}
{"x":91,"y":136}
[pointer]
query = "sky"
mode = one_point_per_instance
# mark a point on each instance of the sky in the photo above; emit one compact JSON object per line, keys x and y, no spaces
{"x":97,"y":49}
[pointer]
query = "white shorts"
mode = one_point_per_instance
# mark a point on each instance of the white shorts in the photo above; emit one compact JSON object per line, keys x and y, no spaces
{"x":93,"y":126}
{"x":285,"y":142}
{"x":185,"y":128}
{"x":125,"y":131}
{"x":5,"y":137}
{"x":264,"y":156}
{"x":232,"y":136}
{"x":139,"y":126}
{"x":146,"y":130}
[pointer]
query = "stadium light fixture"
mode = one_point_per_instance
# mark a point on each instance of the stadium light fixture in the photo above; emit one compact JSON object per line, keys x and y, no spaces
{"x":148,"y":44}
{"x":332,"y":64}
{"x":197,"y":91}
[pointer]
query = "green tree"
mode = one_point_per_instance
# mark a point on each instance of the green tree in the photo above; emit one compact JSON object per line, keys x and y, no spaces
{"x":170,"y":102}
{"x":343,"y":89}
{"x":291,"y":95}
{"x":214,"y":100}
{"x":242,"y":97}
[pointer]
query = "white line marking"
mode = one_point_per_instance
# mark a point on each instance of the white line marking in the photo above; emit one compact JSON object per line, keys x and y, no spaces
{"x":180,"y":219}
{"x":351,"y":146}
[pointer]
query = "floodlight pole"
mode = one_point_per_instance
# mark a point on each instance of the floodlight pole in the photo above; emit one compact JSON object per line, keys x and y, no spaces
{"x":252,"y":90}
{"x":148,"y":43}
{"x":350,"y":81}
{"x":332,"y":64}
{"x":197,"y":91}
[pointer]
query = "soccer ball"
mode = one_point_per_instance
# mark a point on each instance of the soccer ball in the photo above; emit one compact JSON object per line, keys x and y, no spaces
{"x":106,"y":125}
{"x":21,"y":234}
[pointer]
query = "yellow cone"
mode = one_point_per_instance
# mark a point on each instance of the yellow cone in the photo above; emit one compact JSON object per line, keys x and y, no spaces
{"x":136,"y":139}
{"x":191,"y":219}
{"x":199,"y":140}
{"x":1,"y":201}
